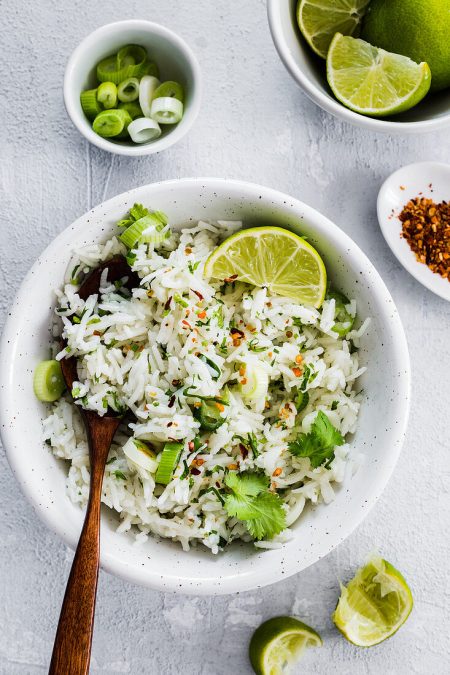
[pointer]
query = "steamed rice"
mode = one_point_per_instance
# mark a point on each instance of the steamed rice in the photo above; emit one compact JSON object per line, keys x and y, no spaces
{"x":139,"y":352}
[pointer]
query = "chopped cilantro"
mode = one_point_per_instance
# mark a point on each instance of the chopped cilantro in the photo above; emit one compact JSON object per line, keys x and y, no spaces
{"x":120,"y":474}
{"x":249,"y":500}
{"x":319,"y":444}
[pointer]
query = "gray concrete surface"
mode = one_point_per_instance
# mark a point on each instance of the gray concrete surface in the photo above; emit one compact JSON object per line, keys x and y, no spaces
{"x":254,"y":124}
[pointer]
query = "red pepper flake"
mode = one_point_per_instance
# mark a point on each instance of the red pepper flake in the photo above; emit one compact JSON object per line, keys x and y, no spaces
{"x":201,"y":315}
{"x":426,"y":228}
{"x":187,"y":324}
{"x":195,"y":471}
{"x":171,"y":401}
{"x":191,"y":446}
{"x":229,"y":280}
{"x":199,"y":295}
{"x":244,"y":450}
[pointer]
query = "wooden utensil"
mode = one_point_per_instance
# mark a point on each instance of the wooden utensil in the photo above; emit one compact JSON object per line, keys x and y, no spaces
{"x":72,"y":647}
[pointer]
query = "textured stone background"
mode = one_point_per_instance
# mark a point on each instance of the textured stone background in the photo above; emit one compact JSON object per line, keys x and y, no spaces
{"x":254,"y":124}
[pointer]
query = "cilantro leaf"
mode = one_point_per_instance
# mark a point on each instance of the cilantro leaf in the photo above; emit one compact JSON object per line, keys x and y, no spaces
{"x":251,"y":502}
{"x":319,"y":444}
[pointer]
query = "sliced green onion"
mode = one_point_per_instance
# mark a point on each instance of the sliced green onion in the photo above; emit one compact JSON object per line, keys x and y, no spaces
{"x":150,"y":68}
{"x":143,"y":130}
{"x":48,"y":381}
{"x":170,"y":457}
{"x":133,"y":109}
{"x":110,"y":123}
{"x":107,"y":71}
{"x":343,"y":320}
{"x":254,"y":383}
{"x":89,"y":103}
{"x":128,"y":90}
{"x":147,"y":87}
{"x":141,"y":454}
{"x":213,"y":366}
{"x":131,"y":55}
{"x":301,"y":400}
{"x":180,"y":301}
{"x":166,"y":110}
{"x":107,"y":95}
{"x":170,"y":89}
{"x":209,"y":415}
{"x":146,"y":230}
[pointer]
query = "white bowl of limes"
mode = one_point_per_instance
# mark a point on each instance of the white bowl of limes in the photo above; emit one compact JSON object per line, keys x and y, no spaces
{"x":303,"y":32}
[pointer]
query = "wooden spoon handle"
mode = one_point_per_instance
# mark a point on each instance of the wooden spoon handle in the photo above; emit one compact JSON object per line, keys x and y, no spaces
{"x":72,"y":647}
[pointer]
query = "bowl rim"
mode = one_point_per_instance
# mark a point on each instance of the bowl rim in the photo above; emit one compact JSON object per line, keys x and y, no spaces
{"x":254,"y":578}
{"x":432,"y":281}
{"x":333,"y":106}
{"x":174,"y":135}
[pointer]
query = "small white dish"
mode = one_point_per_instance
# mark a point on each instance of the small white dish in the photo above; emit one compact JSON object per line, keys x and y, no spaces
{"x":175,"y":59}
{"x":424,"y":179}
{"x":308,"y":70}
{"x":161,"y":564}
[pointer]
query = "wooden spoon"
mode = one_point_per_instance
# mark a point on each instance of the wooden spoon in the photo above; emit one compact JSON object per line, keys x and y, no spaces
{"x":72,"y":647}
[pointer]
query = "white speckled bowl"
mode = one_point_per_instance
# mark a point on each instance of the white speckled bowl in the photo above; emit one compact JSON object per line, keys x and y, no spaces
{"x":163,"y":565}
{"x":175,"y":59}
{"x":308,"y":70}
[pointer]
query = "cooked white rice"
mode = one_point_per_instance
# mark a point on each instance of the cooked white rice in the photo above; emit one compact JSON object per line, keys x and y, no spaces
{"x":140,"y":352}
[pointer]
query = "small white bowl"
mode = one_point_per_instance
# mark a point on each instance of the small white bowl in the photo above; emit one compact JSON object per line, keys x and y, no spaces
{"x":308,"y":70}
{"x":424,"y":179}
{"x":175,"y":60}
{"x":381,"y":427}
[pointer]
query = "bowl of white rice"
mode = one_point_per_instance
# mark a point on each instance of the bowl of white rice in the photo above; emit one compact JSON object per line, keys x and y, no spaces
{"x":180,"y":341}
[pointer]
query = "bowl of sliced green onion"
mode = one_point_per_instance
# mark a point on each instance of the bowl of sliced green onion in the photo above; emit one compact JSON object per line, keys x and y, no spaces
{"x":132,"y":87}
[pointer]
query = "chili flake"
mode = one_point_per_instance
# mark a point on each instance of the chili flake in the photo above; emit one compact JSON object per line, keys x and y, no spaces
{"x":426,"y":228}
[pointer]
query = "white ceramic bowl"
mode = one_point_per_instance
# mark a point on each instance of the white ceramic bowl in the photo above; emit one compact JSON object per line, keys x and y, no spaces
{"x":308,"y":70}
{"x":382,"y":422}
{"x":174,"y":57}
{"x":426,"y":179}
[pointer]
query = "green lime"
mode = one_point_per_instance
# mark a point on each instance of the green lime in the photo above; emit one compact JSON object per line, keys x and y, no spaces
{"x":272,"y":257}
{"x":374,"y":82}
{"x":278,"y":643}
{"x":319,"y":20}
{"x":374,"y":604}
{"x":419,"y":29}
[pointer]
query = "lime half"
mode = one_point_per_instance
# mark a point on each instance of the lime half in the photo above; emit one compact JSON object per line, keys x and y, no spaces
{"x":374,"y":82}
{"x":319,"y":20}
{"x":374,"y":604}
{"x":272,"y":257}
{"x":278,"y":643}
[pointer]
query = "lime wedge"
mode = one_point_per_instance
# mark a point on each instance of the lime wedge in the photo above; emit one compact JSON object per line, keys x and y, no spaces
{"x":319,"y":20}
{"x":374,"y":604}
{"x":374,"y":82}
{"x":272,"y":257}
{"x":278,"y":643}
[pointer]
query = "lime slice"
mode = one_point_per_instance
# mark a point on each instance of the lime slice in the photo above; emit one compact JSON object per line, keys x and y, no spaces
{"x":278,"y":643}
{"x":374,"y":604}
{"x":319,"y":20}
{"x":272,"y":257}
{"x":374,"y":82}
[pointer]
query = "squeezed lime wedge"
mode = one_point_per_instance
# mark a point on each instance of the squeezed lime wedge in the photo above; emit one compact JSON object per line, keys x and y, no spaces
{"x":374,"y":604}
